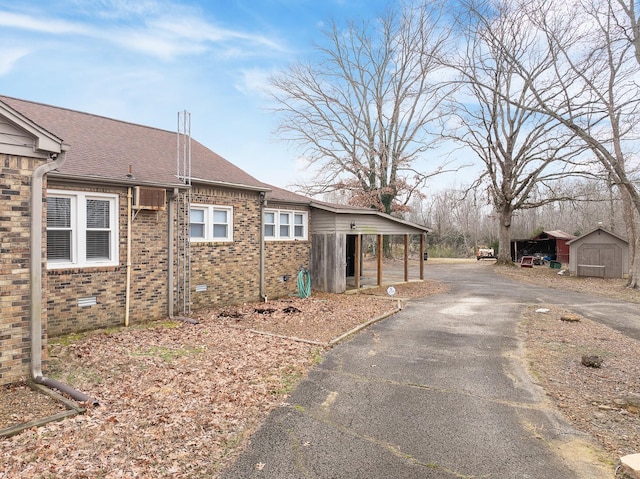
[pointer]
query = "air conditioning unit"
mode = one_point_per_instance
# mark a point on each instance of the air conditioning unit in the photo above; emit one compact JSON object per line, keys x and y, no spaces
{"x":146,"y":198}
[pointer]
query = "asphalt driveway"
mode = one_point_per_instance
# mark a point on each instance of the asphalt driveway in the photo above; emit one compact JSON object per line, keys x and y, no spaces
{"x":436,"y":391}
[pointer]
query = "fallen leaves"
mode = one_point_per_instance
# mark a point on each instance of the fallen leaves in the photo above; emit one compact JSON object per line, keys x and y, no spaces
{"x":592,"y":398}
{"x":178,"y":399}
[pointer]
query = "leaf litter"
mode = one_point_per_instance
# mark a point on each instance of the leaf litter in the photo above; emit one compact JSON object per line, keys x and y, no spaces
{"x":176,"y":399}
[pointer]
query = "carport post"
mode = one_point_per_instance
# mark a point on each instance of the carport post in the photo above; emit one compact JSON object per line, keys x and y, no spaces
{"x":357,"y":261}
{"x":379,"y":258}
{"x":422,"y":257}
{"x":406,"y":258}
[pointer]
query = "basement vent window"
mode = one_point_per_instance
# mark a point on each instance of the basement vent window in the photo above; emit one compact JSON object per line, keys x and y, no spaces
{"x":85,"y":302}
{"x":201,"y":288}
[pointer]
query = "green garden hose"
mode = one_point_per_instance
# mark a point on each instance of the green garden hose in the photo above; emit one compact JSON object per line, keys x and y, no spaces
{"x":304,"y":283}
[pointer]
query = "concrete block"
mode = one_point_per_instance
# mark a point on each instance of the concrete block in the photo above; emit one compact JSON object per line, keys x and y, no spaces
{"x":631,"y":465}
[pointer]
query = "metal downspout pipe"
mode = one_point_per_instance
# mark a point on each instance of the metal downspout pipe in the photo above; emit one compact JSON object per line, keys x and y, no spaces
{"x":127,"y":294}
{"x":263,"y":202}
{"x":36,"y":283}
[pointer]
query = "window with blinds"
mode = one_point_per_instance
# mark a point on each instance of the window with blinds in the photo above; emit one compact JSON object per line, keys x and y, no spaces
{"x":59,"y":230}
{"x":98,"y":232}
{"x":82,"y":229}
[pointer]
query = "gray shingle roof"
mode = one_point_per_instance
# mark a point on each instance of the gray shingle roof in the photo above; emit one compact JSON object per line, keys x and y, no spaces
{"x":104,"y":148}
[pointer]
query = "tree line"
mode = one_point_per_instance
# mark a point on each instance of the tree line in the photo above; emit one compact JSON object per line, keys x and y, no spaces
{"x":462,"y":223}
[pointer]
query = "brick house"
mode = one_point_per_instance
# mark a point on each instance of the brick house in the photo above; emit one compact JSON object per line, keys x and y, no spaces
{"x":135,"y":223}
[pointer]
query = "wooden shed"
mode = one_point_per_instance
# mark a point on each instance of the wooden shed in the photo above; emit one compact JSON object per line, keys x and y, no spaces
{"x":599,"y":253}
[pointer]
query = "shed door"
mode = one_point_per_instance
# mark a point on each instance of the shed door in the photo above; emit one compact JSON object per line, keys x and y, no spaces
{"x":607,"y":255}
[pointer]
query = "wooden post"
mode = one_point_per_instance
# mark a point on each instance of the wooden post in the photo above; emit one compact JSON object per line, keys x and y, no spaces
{"x":406,"y":258}
{"x":379,"y":260}
{"x":357,"y":262}
{"x":422,"y":256}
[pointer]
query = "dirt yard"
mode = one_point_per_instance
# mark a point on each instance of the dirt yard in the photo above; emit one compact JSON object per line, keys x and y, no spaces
{"x":180,"y":400}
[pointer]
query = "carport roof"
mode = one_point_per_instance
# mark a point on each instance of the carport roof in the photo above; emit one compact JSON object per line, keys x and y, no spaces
{"x":281,"y":195}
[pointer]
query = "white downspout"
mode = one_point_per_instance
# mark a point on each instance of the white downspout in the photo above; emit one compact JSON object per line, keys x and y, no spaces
{"x":36,"y":281}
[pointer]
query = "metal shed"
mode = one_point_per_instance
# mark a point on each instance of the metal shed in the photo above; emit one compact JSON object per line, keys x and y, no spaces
{"x":599,"y":253}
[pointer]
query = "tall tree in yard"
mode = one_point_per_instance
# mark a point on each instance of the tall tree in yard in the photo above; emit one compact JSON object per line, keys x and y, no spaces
{"x":593,"y":89}
{"x":361,"y":111}
{"x":492,"y":115}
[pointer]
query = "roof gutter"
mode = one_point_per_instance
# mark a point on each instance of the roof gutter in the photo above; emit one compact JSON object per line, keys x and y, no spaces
{"x":36,"y":282}
{"x":83,"y":179}
{"x":226,"y":184}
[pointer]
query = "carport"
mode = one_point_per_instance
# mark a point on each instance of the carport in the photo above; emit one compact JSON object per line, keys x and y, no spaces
{"x":337,"y":252}
{"x":547,"y":243}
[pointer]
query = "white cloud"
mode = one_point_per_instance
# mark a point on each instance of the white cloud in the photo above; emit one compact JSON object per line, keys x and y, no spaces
{"x":9,"y":58}
{"x":25,"y":22}
{"x":164,"y":33}
{"x":253,"y":81}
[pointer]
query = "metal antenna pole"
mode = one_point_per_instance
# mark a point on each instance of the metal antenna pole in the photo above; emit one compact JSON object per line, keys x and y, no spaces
{"x":183,"y":167}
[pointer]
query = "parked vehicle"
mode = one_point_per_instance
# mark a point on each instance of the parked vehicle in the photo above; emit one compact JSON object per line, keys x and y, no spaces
{"x":483,"y":253}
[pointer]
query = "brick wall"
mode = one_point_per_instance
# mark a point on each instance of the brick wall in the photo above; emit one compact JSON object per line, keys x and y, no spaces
{"x":15,"y":265}
{"x":230,"y":270}
{"x":148,"y":294}
{"x":283,"y":260}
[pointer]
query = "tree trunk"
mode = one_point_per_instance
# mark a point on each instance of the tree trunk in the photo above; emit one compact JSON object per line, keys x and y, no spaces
{"x":504,"y":237}
{"x":630,"y":215}
{"x":634,"y":270}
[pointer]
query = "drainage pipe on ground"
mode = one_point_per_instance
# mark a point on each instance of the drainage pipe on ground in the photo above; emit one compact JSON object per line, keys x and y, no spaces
{"x":36,"y":282}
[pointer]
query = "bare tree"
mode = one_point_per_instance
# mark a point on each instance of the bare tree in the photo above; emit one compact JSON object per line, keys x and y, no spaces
{"x":361,"y":112}
{"x":592,"y":202}
{"x":593,"y":88}
{"x":521,"y":149}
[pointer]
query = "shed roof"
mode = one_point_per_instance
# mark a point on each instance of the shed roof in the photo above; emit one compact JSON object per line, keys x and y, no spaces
{"x":557,"y":234}
{"x":598,"y":228}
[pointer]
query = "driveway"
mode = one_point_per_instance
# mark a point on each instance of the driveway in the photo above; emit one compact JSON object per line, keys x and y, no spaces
{"x":436,"y":391}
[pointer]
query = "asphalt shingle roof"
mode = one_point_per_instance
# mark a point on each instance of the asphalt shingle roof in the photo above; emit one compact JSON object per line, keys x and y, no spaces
{"x":104,"y":148}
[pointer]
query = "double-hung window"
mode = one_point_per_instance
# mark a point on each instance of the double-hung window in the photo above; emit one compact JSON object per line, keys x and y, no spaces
{"x":285,"y":225}
{"x":210,"y":223}
{"x":82,"y":229}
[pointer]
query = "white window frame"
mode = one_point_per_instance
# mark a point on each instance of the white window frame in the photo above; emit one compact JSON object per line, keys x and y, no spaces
{"x":78,"y":228}
{"x":209,"y":223}
{"x":278,"y":226}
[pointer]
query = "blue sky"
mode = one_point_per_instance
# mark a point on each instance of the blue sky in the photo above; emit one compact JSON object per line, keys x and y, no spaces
{"x":143,"y":61}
